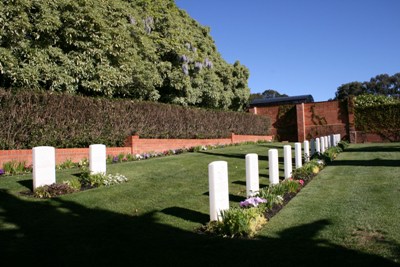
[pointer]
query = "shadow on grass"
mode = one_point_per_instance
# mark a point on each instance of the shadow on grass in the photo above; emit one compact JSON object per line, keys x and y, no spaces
{"x":27,"y":183}
{"x":234,"y":198}
{"x":372,"y":162}
{"x":186,"y":214}
{"x":244,"y":183}
{"x":388,"y":148}
{"x":235,"y":155}
{"x":63,"y":233}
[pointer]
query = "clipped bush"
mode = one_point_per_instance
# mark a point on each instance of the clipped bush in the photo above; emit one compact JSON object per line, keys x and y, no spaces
{"x":239,"y":222}
{"x":32,"y":119}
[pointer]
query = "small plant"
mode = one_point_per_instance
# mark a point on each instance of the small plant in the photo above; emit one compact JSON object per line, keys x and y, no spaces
{"x":68,"y":164}
{"x":252,"y":202}
{"x":83,"y":164}
{"x":238,"y":222}
{"x":112,"y":179}
{"x":304,"y":173}
{"x":88,"y":180}
{"x":74,"y":183}
{"x":53,"y":190}
{"x":14,"y":167}
{"x":271,"y":197}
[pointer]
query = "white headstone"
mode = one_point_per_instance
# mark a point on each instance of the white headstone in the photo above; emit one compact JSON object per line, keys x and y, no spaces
{"x":312,"y":146}
{"x":44,"y":166}
{"x":306,"y":151}
{"x":329,"y":141}
{"x":252,"y":175}
{"x":322,"y":144}
{"x":317,"y":145}
{"x":97,"y":159}
{"x":287,"y":159}
{"x":218,"y":188}
{"x":297,"y":155}
{"x":326,"y":142}
{"x":273,"y":166}
{"x":332,"y":137}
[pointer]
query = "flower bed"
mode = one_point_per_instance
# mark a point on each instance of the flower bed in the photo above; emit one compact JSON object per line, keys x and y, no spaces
{"x":253,"y":213}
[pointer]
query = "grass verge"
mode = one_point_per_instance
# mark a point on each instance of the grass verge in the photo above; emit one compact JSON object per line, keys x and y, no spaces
{"x":347,"y":214}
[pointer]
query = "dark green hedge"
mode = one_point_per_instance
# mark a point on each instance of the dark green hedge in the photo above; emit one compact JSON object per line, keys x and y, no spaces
{"x":383,"y":120}
{"x":62,"y":120}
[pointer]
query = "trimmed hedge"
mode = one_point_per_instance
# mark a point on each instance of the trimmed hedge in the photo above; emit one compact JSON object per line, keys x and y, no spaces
{"x":383,"y":120}
{"x":32,"y":119}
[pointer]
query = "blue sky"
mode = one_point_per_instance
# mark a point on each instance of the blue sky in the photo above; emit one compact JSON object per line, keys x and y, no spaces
{"x":304,"y":46}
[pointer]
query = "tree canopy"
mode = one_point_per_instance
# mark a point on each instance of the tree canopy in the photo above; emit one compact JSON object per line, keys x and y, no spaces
{"x":382,"y":84}
{"x":269,"y":93}
{"x":148,"y":50}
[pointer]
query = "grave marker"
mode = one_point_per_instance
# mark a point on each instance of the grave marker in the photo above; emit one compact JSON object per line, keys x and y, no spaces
{"x":322,"y":145}
{"x":306,"y":151}
{"x":317,"y":145}
{"x":273,"y":166}
{"x":297,"y":155}
{"x":287,"y":158}
{"x":252,"y":175}
{"x":312,"y":145}
{"x":218,"y":188}
{"x":97,"y":159}
{"x":44,"y":166}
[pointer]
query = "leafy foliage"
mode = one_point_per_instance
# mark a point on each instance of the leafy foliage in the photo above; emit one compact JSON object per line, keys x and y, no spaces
{"x":61,"y":120}
{"x":147,"y":50}
{"x":383,"y":120}
{"x":382,"y":84}
{"x":89,"y":180}
{"x":53,"y":190}
{"x":269,"y":93}
{"x":367,"y":100}
{"x":239,"y":222}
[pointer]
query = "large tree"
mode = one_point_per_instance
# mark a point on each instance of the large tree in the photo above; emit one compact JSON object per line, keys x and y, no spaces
{"x":269,"y":93}
{"x":382,"y":84}
{"x":149,"y":50}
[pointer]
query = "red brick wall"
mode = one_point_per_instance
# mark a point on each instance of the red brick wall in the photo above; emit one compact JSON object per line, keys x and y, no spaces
{"x":324,"y":118}
{"x":308,"y":120}
{"x":134,"y":145}
{"x":283,"y":128}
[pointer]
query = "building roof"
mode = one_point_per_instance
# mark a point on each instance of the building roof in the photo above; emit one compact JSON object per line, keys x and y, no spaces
{"x":262,"y":102}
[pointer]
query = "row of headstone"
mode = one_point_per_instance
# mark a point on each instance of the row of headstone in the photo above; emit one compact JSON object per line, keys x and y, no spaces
{"x":218,"y":177}
{"x":44,"y":163}
{"x":320,"y":144}
{"x":218,"y":171}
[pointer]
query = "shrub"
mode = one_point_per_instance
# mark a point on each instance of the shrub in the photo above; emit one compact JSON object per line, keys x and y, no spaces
{"x":88,"y":180}
{"x":303,"y":173}
{"x":53,"y":190}
{"x":64,"y":121}
{"x":68,"y":164}
{"x":15,"y":167}
{"x":239,"y":222}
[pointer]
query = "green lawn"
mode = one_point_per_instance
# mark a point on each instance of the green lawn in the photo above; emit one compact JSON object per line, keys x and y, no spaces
{"x":348,"y":215}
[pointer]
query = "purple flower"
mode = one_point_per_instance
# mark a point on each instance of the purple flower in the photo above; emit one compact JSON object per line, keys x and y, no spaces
{"x":115,"y":159}
{"x":252,"y":201}
{"x":2,"y":172}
